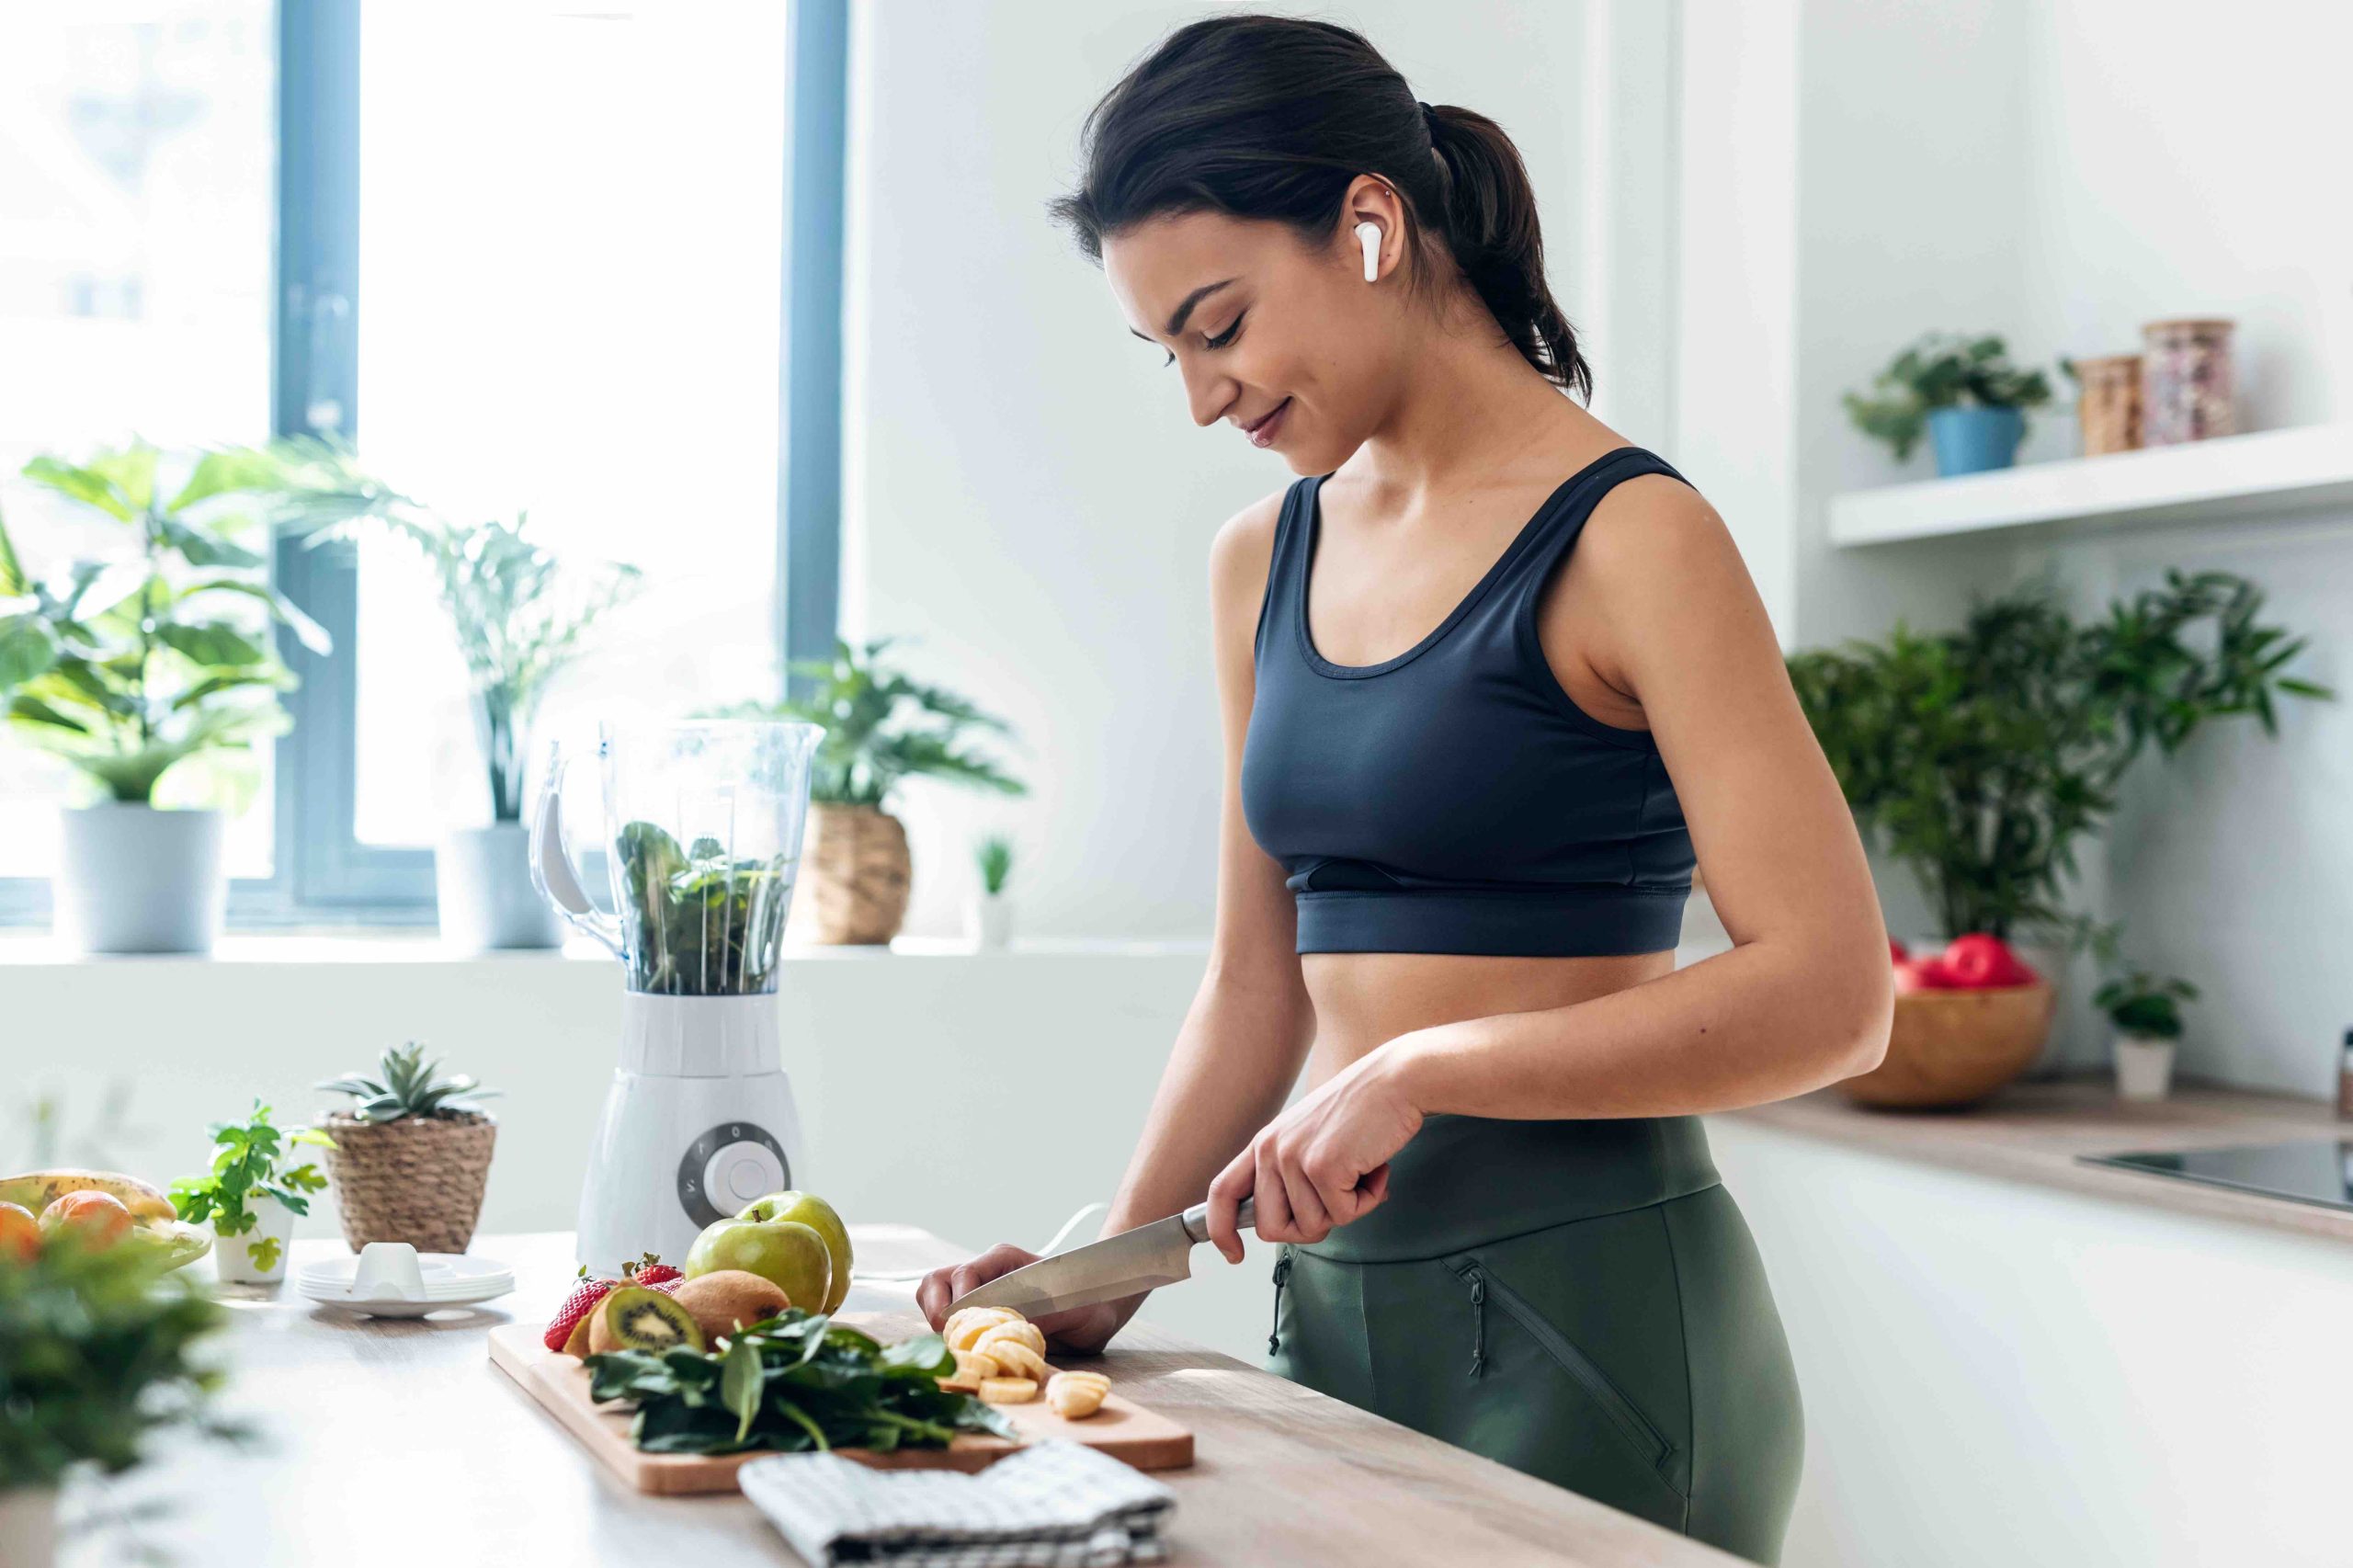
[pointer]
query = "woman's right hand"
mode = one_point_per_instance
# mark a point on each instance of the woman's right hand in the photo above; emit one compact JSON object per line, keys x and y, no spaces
{"x":1082,"y":1331}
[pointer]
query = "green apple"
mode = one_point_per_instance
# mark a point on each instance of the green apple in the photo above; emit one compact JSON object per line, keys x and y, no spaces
{"x":786,"y":1253}
{"x":813,"y":1212}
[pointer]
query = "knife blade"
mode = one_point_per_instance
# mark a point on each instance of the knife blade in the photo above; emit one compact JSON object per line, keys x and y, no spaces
{"x":1144,"y":1258}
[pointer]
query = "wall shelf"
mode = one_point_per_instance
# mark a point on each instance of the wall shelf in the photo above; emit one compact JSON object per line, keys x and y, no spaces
{"x":2270,"y":472}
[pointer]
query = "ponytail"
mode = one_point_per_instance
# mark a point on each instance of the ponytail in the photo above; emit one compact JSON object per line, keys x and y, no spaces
{"x":1488,"y":208}
{"x":1273,"y":117}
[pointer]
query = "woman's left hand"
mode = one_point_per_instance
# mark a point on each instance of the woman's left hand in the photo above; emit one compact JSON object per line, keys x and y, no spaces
{"x":1322,"y":1161}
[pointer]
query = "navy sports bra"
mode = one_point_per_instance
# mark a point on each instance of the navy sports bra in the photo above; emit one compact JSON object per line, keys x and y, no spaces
{"x":1454,"y":798}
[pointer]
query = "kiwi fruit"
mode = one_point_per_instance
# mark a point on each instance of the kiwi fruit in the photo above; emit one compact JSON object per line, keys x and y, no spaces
{"x":727,"y":1298}
{"x":635,"y":1317}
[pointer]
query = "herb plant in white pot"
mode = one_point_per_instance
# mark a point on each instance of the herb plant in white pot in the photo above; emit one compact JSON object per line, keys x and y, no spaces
{"x":991,"y":908}
{"x":151,"y":674}
{"x":2145,"y":1009}
{"x":252,"y":1194}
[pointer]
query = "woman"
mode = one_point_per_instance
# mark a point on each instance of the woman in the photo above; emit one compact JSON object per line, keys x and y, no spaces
{"x":1467,"y":768}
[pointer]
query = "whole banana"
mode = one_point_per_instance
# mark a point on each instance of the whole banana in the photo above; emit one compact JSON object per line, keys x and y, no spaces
{"x":36,"y":1190}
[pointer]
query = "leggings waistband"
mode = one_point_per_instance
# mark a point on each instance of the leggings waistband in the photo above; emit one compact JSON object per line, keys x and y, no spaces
{"x":1465,"y":1180}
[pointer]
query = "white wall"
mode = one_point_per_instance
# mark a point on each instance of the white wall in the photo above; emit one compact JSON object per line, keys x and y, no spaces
{"x":1024,"y":492}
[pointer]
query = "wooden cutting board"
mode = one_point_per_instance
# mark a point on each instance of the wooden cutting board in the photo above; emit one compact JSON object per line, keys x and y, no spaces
{"x":1125,"y":1430}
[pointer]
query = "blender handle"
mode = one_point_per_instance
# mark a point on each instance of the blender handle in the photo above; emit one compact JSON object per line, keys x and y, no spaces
{"x":552,"y":873}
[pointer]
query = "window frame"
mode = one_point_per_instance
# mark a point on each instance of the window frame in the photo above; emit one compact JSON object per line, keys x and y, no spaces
{"x":323,"y":875}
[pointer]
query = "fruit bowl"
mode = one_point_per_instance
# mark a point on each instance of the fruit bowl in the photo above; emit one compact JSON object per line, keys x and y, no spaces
{"x":1955,"y":1047}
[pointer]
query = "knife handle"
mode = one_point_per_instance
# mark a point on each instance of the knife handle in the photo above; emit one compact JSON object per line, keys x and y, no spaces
{"x":1195,"y":1220}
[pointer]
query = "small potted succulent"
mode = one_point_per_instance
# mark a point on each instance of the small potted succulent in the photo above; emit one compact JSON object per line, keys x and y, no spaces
{"x":150,"y":672}
{"x":879,"y":727}
{"x":251,"y":1194}
{"x":1963,"y":390}
{"x":2146,"y":1010}
{"x":98,"y":1349}
{"x":411,"y":1154}
{"x":992,"y":910}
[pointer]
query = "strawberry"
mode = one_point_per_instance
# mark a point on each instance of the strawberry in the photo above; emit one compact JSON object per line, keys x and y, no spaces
{"x":655,"y":1273}
{"x":579,"y":1305}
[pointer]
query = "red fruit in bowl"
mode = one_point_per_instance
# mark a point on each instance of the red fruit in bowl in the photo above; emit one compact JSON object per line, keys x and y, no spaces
{"x":1980,"y":960}
{"x":1896,"y":952}
{"x":19,"y":1232}
{"x":100,"y":1217}
{"x":1922,"y":975}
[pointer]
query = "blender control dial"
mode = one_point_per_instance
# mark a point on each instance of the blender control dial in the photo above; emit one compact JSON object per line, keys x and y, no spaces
{"x":728,"y":1167}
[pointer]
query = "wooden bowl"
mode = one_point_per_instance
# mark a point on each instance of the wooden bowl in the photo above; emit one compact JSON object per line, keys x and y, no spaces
{"x":1954,"y":1048}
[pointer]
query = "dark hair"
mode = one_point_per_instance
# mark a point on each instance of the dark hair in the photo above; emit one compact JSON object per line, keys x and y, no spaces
{"x":1272,"y":116}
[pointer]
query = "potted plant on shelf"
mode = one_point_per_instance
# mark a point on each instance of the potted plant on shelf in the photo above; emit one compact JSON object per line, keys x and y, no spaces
{"x":1980,"y":757}
{"x":2146,"y":1010}
{"x":1963,"y":390}
{"x":98,"y":1350}
{"x":152,"y":665}
{"x":992,"y":911}
{"x":881,"y":727}
{"x":250,"y":1196}
{"x":410,"y":1156}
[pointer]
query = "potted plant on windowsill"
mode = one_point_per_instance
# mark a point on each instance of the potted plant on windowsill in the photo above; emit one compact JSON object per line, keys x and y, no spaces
{"x":410,"y":1157}
{"x":2146,"y":1010}
{"x":151,"y":674}
{"x":1963,"y":390}
{"x":881,"y":727}
{"x":250,"y":1196}
{"x":98,"y":1350}
{"x":992,"y":911}
{"x":1980,"y":757}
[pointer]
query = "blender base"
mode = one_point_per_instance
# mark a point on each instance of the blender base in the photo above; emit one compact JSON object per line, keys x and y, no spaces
{"x":674,"y":1153}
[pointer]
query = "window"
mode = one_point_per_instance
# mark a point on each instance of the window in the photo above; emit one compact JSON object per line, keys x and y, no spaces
{"x":547,"y":271}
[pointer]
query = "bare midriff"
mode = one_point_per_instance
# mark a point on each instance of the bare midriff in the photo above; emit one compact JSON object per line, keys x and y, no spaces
{"x":1363,"y":1000}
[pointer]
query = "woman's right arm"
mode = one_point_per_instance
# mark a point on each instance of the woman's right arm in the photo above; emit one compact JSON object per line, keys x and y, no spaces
{"x":1247,"y":1032}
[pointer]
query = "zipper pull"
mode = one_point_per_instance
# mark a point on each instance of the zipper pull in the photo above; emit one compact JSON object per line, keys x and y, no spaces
{"x":1478,"y":1321}
{"x":1283,"y":1274}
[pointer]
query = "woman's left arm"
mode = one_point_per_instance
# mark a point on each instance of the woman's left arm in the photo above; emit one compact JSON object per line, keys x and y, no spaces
{"x":1805,"y":994}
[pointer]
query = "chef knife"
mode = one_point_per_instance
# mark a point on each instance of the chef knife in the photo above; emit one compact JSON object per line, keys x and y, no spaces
{"x":1133,"y":1262}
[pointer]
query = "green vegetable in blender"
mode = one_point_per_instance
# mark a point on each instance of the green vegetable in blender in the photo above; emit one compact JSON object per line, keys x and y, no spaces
{"x":795,"y":1382}
{"x":700,"y":922}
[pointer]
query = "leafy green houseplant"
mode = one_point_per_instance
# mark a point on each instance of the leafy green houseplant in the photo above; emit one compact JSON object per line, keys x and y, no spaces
{"x":2146,"y":1010}
{"x":882,"y":727}
{"x":252,"y":1194}
{"x":1981,"y":756}
{"x":152,"y":662}
{"x":992,"y":911}
{"x":1942,"y":379}
{"x":100,"y":1350}
{"x":410,"y":1154}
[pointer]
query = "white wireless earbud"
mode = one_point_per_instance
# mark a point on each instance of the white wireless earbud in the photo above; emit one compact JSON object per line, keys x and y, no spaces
{"x":1369,"y":236}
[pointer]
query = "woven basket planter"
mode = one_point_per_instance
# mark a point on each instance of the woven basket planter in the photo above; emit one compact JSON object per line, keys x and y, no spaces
{"x":417,"y":1180}
{"x":854,"y":876}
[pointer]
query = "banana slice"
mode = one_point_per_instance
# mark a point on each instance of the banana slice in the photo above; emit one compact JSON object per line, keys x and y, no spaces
{"x":1015,"y":1360}
{"x":1077,"y":1395}
{"x":970,"y":1367}
{"x":1008,"y":1391}
{"x":1019,"y":1332}
{"x":964,"y":1327}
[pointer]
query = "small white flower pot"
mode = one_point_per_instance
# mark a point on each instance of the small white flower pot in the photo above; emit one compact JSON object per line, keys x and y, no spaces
{"x":482,"y":879}
{"x":2143,"y":1067}
{"x":131,"y":879}
{"x":272,"y":1221}
{"x":991,"y":920}
{"x":29,"y":1528}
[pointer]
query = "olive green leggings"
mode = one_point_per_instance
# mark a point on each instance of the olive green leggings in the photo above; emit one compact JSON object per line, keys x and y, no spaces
{"x":1577,"y":1300}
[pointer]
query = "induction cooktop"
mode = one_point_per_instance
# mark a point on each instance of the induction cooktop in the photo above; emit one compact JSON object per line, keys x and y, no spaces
{"x":2310,"y":1170}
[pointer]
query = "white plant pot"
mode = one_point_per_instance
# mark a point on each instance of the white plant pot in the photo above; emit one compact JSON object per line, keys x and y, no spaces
{"x":272,"y":1221}
{"x":2143,"y":1067}
{"x":483,"y":887}
{"x":991,"y":920}
{"x":29,"y":1528}
{"x":135,"y":880}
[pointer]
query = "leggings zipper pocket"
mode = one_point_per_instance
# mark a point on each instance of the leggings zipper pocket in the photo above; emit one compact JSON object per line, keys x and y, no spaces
{"x":1647,"y":1439}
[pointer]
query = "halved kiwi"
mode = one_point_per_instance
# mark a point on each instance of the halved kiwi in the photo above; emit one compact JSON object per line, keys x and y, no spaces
{"x":637,"y":1317}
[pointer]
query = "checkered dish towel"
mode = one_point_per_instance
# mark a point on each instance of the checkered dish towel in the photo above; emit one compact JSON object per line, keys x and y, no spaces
{"x":1055,"y":1503}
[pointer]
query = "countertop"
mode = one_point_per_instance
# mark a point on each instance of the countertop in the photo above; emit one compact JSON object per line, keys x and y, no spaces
{"x":388,"y":1441}
{"x":2033,"y":1132}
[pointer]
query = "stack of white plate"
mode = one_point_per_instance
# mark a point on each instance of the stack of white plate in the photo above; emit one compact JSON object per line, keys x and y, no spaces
{"x":451,"y":1279}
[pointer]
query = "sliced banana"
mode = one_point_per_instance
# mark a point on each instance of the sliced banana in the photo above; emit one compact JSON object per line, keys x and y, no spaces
{"x":970,"y":1367}
{"x":1076,"y":1395}
{"x":964,"y":1327}
{"x":1019,"y":1332}
{"x":1015,"y":1359}
{"x":1008,"y":1391}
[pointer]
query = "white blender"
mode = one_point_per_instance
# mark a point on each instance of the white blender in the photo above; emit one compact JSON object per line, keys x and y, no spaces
{"x":702,"y":839}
